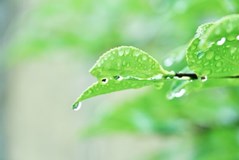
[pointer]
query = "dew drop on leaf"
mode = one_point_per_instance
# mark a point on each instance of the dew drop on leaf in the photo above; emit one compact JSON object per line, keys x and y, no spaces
{"x":219,"y":64}
{"x":204,"y":79}
{"x":121,"y":53}
{"x":230,"y":37}
{"x":237,"y":37}
{"x":209,"y":55}
{"x":217,"y":58}
{"x":118,"y":78}
{"x":233,"y":50}
{"x":206,"y":63}
{"x":200,"y":54}
{"x":221,"y":41}
{"x":177,"y":94}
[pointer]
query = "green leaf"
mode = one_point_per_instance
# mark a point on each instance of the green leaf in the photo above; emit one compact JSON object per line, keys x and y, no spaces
{"x":123,"y":68}
{"x":214,"y":50}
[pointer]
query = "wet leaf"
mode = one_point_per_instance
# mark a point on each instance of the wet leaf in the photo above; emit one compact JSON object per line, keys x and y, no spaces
{"x":214,"y":51}
{"x":123,"y":68}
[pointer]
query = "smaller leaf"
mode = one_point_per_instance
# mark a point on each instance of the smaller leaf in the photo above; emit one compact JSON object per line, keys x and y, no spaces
{"x":214,"y":50}
{"x":123,"y":68}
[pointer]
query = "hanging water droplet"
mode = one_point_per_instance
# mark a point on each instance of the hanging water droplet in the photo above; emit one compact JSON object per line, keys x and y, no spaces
{"x":221,"y":41}
{"x":180,"y":93}
{"x":237,"y":37}
{"x":177,"y":94}
{"x":77,"y":106}
{"x":204,"y":79}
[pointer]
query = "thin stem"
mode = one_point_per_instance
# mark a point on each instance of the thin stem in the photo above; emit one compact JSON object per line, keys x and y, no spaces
{"x":193,"y":76}
{"x":231,"y":76}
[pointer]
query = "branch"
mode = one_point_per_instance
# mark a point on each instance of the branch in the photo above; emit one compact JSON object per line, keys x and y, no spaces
{"x":194,"y":76}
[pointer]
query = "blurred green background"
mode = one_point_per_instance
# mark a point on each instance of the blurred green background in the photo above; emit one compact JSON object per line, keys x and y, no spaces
{"x":47,"y":48}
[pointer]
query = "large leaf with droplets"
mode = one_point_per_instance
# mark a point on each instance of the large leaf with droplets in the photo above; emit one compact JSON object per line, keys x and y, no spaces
{"x":123,"y":68}
{"x":214,"y":51}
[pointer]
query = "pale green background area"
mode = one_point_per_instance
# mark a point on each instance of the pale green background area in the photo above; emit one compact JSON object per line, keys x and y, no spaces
{"x":47,"y":51}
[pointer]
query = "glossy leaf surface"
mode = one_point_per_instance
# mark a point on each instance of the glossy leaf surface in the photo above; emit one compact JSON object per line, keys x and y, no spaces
{"x":214,"y":51}
{"x":123,"y":68}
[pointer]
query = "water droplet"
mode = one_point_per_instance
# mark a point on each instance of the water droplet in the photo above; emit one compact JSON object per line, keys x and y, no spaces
{"x":137,"y":54}
{"x":217,"y":31}
{"x":225,"y":69}
{"x":158,"y":85}
{"x":219,"y":70}
{"x":206,"y":63}
{"x":193,"y":47}
{"x":231,"y":37}
{"x":229,"y":28}
{"x":218,"y":64}
{"x":177,"y":94}
{"x":118,"y":78}
{"x":217,"y":57}
{"x":119,"y":64}
{"x":200,"y":54}
{"x":104,"y":80}
{"x":204,"y":79}
{"x":168,"y":62}
{"x":121,"y":53}
{"x":77,"y":106}
{"x":221,"y":41}
{"x":199,"y":62}
{"x":209,"y":55}
{"x":237,"y":37}
{"x":144,"y":58}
